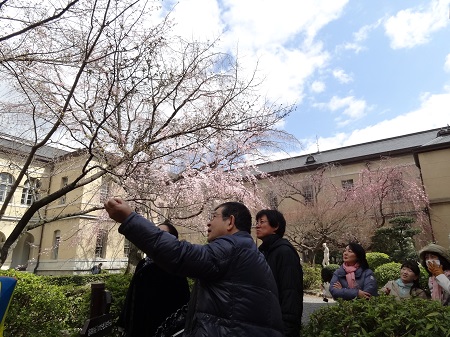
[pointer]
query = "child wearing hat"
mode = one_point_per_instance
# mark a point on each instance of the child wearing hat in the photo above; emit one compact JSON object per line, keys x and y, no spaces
{"x":436,"y":260}
{"x":407,"y":285}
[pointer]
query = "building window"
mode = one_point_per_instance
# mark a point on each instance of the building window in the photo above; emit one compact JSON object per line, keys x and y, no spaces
{"x":30,"y":191}
{"x":273,"y":200}
{"x":6,"y":181}
{"x":308,"y":194}
{"x":64,"y":183}
{"x":310,"y":159}
{"x":56,"y":242}
{"x":347,"y":184}
{"x":105,"y":189}
{"x":100,"y":245}
{"x":126,"y":248}
{"x":396,"y":188}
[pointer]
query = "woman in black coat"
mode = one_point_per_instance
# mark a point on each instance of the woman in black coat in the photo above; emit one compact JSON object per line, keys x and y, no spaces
{"x":284,"y":261}
{"x":152,"y":296}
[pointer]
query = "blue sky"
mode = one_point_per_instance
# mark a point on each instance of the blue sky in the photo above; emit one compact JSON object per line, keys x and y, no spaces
{"x":357,"y":70}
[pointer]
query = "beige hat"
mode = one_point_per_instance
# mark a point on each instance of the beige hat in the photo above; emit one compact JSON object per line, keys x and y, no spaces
{"x":434,"y":248}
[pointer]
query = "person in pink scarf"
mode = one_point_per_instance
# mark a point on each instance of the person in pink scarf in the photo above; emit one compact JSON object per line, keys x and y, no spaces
{"x":436,"y":260}
{"x":353,"y":279}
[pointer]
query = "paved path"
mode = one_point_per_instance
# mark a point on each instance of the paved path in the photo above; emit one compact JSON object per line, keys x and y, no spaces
{"x":311,"y":303}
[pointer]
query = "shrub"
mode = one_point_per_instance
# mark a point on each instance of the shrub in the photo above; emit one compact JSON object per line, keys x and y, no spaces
{"x":387,"y":272}
{"x":311,"y":277}
{"x":49,"y":305}
{"x":37,"y":309}
{"x":332,"y":267}
{"x":380,"y":316}
{"x":376,"y":259}
{"x":396,"y":239}
{"x":423,"y":280}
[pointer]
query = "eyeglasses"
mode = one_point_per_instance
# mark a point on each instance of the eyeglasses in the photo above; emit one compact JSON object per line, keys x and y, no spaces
{"x":261,"y":222}
{"x":215,"y":215}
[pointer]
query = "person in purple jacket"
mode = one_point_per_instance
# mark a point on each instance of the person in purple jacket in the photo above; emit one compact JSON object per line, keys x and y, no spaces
{"x":353,"y":279}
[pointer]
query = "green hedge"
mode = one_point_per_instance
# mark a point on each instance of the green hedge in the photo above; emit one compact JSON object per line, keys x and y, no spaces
{"x":376,"y":259}
{"x":380,"y":316}
{"x":311,"y":276}
{"x":57,"y":305}
{"x":387,"y":272}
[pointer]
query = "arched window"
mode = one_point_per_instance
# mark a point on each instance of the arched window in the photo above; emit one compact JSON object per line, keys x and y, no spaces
{"x":100,"y":246}
{"x":30,"y":191}
{"x":6,"y":180}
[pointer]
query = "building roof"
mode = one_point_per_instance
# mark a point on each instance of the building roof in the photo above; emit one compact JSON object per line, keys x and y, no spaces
{"x":390,"y":147}
{"x":18,"y":145}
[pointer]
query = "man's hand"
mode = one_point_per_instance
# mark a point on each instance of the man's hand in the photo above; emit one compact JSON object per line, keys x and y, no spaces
{"x":435,"y":269}
{"x":118,"y":209}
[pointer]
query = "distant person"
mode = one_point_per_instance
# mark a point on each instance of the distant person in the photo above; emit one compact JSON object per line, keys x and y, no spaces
{"x":353,"y":278}
{"x":235,"y":293}
{"x":326,"y":275}
{"x":152,"y":296}
{"x":284,"y":261}
{"x":436,"y":261}
{"x":407,"y":285}
{"x":97,"y":269}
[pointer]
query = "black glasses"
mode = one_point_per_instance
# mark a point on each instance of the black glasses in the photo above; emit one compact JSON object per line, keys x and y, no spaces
{"x":260,"y":222}
{"x":216,"y":215}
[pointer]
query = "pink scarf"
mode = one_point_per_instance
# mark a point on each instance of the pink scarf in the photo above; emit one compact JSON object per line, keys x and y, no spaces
{"x":350,"y":276}
{"x":436,"y":293}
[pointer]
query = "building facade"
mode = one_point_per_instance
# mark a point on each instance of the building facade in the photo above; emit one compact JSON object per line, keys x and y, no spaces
{"x":72,"y":233}
{"x":66,"y":236}
{"x":423,"y":156}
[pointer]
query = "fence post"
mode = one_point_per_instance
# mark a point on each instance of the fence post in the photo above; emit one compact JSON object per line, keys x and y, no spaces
{"x":100,"y":321}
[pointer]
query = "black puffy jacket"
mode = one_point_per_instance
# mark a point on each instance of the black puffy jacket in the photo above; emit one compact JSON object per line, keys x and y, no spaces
{"x":235,"y":293}
{"x":152,"y":296}
{"x":284,"y":261}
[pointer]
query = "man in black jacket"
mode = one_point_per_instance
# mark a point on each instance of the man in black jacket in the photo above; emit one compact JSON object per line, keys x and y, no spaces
{"x":235,"y":293}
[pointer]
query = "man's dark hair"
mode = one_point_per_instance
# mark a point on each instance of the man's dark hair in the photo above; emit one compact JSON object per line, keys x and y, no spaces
{"x":275,"y":218}
{"x":172,"y":230}
{"x":242,"y":216}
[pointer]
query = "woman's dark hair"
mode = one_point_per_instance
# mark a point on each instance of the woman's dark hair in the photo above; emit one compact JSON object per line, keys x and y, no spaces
{"x":416,"y":270}
{"x":275,"y":218}
{"x":172,"y":230}
{"x":360,"y":254}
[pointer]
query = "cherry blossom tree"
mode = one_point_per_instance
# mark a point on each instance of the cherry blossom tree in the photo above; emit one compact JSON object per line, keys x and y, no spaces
{"x":328,"y":211}
{"x":155,"y":113}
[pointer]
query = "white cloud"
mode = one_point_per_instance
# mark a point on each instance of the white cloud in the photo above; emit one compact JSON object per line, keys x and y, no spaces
{"x":342,"y":76}
{"x":318,"y":86}
{"x":359,"y":37}
{"x":411,"y":27}
{"x":352,"y":108}
{"x":434,"y":107}
{"x":278,"y":36}
{"x":196,"y":19}
{"x":447,"y":64}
